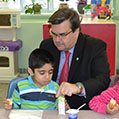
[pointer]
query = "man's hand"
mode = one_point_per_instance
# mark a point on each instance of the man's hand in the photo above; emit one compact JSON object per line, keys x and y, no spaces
{"x":67,"y":89}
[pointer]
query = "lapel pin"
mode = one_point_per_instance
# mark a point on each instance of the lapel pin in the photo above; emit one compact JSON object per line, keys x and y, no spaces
{"x":77,"y":58}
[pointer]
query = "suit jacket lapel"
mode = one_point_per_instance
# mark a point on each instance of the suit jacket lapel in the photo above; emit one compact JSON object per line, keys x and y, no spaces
{"x":78,"y":50}
{"x":57,"y":57}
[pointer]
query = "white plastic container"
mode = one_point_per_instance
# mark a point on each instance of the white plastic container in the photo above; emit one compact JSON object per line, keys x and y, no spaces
{"x":61,"y":105}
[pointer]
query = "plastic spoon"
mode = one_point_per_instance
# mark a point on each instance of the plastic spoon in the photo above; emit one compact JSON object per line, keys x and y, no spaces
{"x":81,"y":106}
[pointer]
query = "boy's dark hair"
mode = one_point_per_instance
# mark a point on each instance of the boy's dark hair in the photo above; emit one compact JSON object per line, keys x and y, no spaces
{"x":40,"y":57}
{"x":66,"y":14}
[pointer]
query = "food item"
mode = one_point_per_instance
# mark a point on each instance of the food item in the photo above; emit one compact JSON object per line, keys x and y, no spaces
{"x":112,"y":103}
{"x":9,"y":101}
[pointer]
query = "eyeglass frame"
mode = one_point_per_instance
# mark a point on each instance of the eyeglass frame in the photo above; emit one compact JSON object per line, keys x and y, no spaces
{"x":61,"y":35}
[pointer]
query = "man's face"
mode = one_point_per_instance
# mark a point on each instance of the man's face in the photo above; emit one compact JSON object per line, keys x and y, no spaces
{"x":63,"y":37}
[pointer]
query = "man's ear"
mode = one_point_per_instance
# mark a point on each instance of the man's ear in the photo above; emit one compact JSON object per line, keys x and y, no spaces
{"x":50,"y":31}
{"x":80,"y":18}
{"x":30,"y":71}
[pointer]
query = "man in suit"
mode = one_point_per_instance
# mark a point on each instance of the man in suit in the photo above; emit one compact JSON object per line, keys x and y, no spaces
{"x":88,"y":64}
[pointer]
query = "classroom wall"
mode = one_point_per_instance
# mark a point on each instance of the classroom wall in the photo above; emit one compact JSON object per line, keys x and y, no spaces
{"x":117,"y":46}
{"x":31,"y":35}
{"x":116,"y":8}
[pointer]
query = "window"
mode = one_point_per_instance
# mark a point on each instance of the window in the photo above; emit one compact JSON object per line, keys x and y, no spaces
{"x":71,"y":3}
{"x":46,"y":6}
{"x":50,"y":6}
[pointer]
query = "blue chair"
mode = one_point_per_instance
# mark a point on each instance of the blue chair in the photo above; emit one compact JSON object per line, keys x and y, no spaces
{"x":12,"y":86}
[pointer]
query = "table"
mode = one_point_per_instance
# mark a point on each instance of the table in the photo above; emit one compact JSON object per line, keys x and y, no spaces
{"x":53,"y":114}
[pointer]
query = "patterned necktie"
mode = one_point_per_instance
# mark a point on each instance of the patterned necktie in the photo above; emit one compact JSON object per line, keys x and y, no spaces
{"x":65,"y":69}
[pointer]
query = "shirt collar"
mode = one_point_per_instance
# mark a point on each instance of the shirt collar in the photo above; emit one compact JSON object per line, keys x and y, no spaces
{"x":71,"y":50}
{"x":30,"y":79}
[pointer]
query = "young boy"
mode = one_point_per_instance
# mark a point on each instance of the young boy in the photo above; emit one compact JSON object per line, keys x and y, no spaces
{"x":37,"y":91}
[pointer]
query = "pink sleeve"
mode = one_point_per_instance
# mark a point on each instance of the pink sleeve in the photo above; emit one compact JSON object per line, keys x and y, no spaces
{"x":97,"y":105}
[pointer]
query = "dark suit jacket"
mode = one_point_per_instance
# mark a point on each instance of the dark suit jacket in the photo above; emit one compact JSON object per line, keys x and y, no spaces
{"x":92,"y":68}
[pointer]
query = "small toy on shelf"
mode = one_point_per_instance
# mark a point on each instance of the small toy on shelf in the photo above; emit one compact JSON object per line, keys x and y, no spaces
{"x":80,"y":6}
{"x":101,"y":9}
{"x":63,"y":4}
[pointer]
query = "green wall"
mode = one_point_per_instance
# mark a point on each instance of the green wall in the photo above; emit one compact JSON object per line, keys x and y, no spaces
{"x":116,"y":8}
{"x":117,"y":45}
{"x":116,"y":17}
{"x":31,"y":35}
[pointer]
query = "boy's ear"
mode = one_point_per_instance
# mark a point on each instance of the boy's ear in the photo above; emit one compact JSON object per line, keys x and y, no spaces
{"x":30,"y":71}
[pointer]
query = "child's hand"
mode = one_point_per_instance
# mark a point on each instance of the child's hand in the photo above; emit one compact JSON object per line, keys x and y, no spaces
{"x":7,"y":104}
{"x":112,"y":107}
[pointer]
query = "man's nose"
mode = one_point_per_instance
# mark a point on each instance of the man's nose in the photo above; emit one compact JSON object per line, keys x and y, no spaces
{"x":58,"y":38}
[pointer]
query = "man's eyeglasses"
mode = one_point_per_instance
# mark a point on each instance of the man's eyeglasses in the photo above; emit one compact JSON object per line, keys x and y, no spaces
{"x":60,"y":35}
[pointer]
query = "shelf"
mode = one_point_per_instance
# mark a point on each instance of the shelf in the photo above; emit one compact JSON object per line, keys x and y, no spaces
{"x":9,"y":18}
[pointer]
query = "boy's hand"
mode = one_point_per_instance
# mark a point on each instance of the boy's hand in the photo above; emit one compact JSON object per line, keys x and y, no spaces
{"x":7,"y":104}
{"x":112,"y":107}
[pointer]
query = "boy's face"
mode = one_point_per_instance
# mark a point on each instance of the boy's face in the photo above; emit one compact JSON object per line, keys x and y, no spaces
{"x":42,"y":76}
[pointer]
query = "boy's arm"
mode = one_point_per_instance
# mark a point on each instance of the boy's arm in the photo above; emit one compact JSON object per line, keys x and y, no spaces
{"x":16,"y":100}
